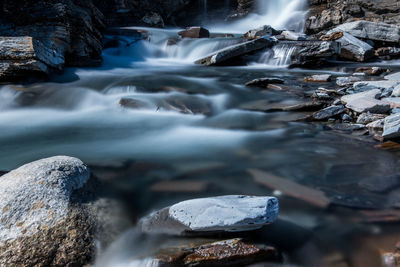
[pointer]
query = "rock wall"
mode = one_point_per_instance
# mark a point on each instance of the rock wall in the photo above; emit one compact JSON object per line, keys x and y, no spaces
{"x":325,"y":14}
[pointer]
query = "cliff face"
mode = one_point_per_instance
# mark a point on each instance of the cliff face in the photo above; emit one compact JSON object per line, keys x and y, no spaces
{"x":325,"y":14}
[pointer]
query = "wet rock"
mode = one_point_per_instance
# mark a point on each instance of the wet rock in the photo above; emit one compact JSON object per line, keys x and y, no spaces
{"x":373,"y":94}
{"x":332,"y":36}
{"x":391,"y":127}
{"x":366,"y":118}
{"x":225,"y":213}
{"x":236,"y":51}
{"x":393,"y":77}
{"x":40,"y":223}
{"x":265,"y":30}
{"x":318,"y":78}
{"x":312,"y":53}
{"x":350,"y":127}
{"x":264,"y":82}
{"x":294,"y":36}
{"x":232,"y":252}
{"x":292,"y":189}
{"x":376,"y":125}
{"x":133,"y":103}
{"x":307,"y":106}
{"x":355,"y":49}
{"x":329,"y":112}
{"x":375,"y":31}
{"x":363,"y":104}
{"x":346,"y":81}
{"x":387,"y":52}
{"x":370,"y":85}
{"x":372,"y":71}
{"x":154,"y":20}
{"x":195,"y":32}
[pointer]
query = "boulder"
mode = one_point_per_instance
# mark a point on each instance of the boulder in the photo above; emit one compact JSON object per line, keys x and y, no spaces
{"x":225,"y":213}
{"x":42,"y":222}
{"x":346,"y":81}
{"x":195,"y":32}
{"x":311,"y":53}
{"x":233,"y":52}
{"x":362,"y":105}
{"x":265,"y":30}
{"x":373,"y":94}
{"x":329,"y":112}
{"x":376,"y":31}
{"x":320,"y":78}
{"x":264,"y":82}
{"x":371,"y":85}
{"x":355,"y":49}
{"x":391,"y":128}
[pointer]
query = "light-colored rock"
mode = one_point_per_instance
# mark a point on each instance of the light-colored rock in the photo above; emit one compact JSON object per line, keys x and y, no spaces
{"x":374,"y":94}
{"x":355,"y":49}
{"x":294,"y":36}
{"x":396,"y":91}
{"x":235,"y":51}
{"x":391,"y":127}
{"x":40,"y":223}
{"x":366,"y":118}
{"x":318,"y":78}
{"x":393,"y":77}
{"x":375,"y":31}
{"x":376,"y":125}
{"x":346,"y":81}
{"x":195,"y":32}
{"x":364,"y":104}
{"x":369,"y":85}
{"x":260,"y":32}
{"x":226,"y":213}
{"x":394,"y":102}
{"x":373,"y":71}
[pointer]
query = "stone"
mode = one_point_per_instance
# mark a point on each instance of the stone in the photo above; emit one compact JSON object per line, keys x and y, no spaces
{"x":348,"y":127}
{"x":233,"y":52}
{"x":393,"y":77}
{"x":195,"y":32}
{"x":366,"y":118}
{"x":265,"y":30}
{"x":264,"y":82}
{"x":346,"y":118}
{"x":387,"y":52}
{"x":311,"y":53}
{"x":233,"y":213}
{"x":346,"y":81}
{"x":294,"y":36}
{"x":396,"y":91}
{"x":355,"y":49}
{"x":376,"y":31}
{"x":318,"y":78}
{"x":391,"y":128}
{"x":372,"y":94}
{"x":394,"y":102}
{"x":41,"y":224}
{"x":329,"y":112}
{"x":232,"y":252}
{"x":372,"y":71}
{"x":332,"y":36}
{"x":365,"y":104}
{"x":376,"y":125}
{"x":154,"y":20}
{"x":370,"y":85}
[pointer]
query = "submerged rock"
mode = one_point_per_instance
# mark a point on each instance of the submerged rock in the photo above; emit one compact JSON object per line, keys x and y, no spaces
{"x":40,"y":223}
{"x":236,"y":51}
{"x":264,"y":82}
{"x":232,"y":252}
{"x":225,"y":213}
{"x":195,"y":32}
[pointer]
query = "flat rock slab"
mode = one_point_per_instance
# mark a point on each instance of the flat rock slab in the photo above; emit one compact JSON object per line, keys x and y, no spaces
{"x":376,"y":31}
{"x":362,"y":105}
{"x":391,"y":128}
{"x":393,"y":77}
{"x":346,"y":81}
{"x":235,"y":51}
{"x":369,"y":85}
{"x":329,"y":112}
{"x":226,"y":213}
{"x":373,"y":94}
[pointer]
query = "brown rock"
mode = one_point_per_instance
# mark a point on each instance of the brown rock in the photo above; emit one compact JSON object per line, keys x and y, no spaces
{"x":195,"y":32}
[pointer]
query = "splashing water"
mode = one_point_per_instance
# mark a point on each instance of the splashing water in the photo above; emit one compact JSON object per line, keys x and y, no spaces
{"x":280,"y":14}
{"x":279,"y":55}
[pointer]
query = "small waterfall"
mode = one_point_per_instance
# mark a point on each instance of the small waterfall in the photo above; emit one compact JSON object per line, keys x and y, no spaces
{"x":279,"y":55}
{"x":205,"y":13}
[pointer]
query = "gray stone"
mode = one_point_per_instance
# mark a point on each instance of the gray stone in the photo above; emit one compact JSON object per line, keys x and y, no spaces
{"x":375,"y":31}
{"x":40,"y":224}
{"x":369,"y":85}
{"x":235,"y":51}
{"x":329,"y":112}
{"x":226,"y":213}
{"x":394,"y":102}
{"x":346,"y":81}
{"x":264,"y":82}
{"x":260,"y":32}
{"x":393,"y":77}
{"x":365,"y":104}
{"x":396,"y":91}
{"x":311,"y":53}
{"x":376,"y":125}
{"x":373,"y":94}
{"x":391,"y":127}
{"x":318,"y":78}
{"x":366,"y":118}
{"x":355,"y":49}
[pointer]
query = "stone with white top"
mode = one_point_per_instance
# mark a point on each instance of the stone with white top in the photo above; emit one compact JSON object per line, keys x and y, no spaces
{"x":369,"y":85}
{"x":232,"y":213}
{"x":391,"y":128}
{"x":373,"y":94}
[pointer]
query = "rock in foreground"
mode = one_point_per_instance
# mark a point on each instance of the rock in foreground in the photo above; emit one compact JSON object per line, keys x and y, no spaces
{"x":41,"y":224}
{"x":225,"y":213}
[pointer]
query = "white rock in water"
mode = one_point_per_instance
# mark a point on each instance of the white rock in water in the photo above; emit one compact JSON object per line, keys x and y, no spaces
{"x":226,"y":213}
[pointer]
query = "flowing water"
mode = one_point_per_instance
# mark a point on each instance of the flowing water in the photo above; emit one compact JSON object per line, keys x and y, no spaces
{"x":150,"y":120}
